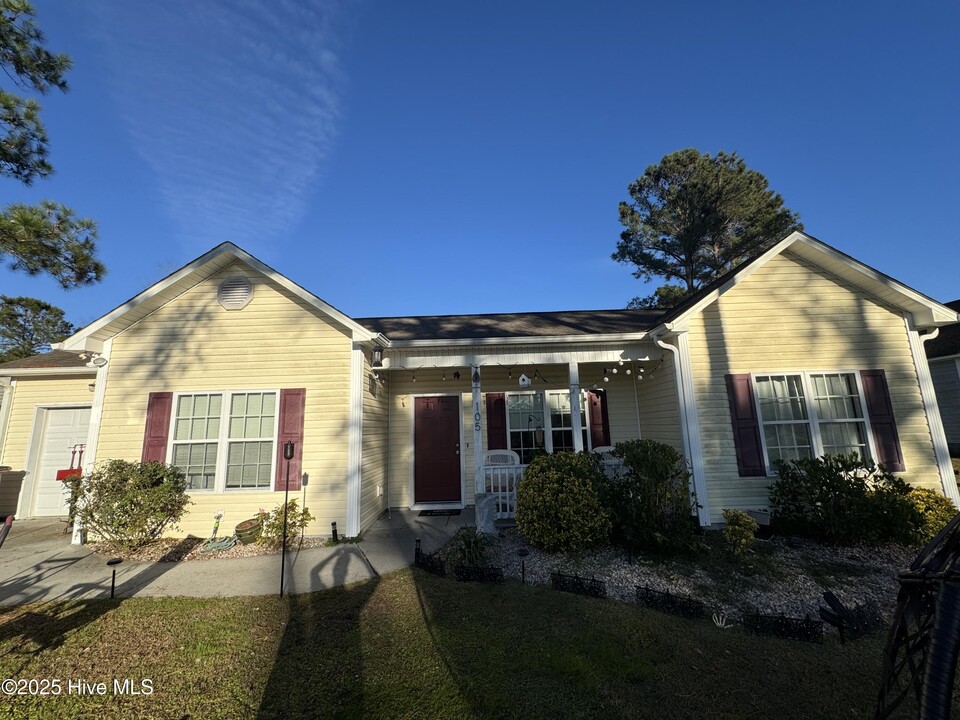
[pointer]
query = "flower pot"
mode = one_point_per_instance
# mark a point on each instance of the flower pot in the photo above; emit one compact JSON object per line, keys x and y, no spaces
{"x":249,"y":530}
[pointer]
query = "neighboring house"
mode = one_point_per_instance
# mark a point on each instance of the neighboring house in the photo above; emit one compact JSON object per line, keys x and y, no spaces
{"x":801,"y":351}
{"x":943,"y":354}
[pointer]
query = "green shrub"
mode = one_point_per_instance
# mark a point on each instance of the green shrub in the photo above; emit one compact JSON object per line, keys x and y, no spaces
{"x":272,"y":533}
{"x":935,"y":510}
{"x":470,"y":547}
{"x":842,"y":499}
{"x":650,"y":499}
{"x":558,"y":503}
{"x":129,"y":504}
{"x":739,"y":535}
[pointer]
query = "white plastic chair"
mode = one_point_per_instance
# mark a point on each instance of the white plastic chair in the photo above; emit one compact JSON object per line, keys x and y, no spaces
{"x":500,"y":457}
{"x":610,"y":464}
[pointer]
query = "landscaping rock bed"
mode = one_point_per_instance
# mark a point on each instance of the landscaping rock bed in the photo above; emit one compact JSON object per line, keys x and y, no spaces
{"x":183,"y":549}
{"x":785,"y":575}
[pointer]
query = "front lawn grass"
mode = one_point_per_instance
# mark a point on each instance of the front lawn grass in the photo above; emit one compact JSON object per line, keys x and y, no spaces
{"x":415,"y":646}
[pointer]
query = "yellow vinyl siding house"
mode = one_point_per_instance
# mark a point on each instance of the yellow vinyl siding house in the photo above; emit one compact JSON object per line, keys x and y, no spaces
{"x":800,"y":351}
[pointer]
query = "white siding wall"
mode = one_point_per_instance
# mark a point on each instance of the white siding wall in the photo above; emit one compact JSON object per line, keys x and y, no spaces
{"x":375,"y":447}
{"x":790,"y":315}
{"x":659,"y":407}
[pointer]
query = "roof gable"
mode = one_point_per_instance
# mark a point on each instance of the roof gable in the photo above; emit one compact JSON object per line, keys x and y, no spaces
{"x":159,"y":294}
{"x":926,"y":312}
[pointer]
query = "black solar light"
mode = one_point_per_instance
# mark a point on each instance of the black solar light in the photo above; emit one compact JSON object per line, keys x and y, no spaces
{"x":112,"y":563}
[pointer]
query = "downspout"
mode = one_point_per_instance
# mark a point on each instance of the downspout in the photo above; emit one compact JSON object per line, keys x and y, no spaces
{"x":928,"y":395}
{"x":689,"y":422}
{"x":6,"y":402}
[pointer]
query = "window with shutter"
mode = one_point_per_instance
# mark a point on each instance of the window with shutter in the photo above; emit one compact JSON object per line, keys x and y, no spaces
{"x":227,"y":440}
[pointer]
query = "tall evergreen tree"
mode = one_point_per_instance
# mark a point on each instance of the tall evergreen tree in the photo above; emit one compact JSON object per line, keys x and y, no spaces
{"x":48,"y":237}
{"x":693,"y":217}
{"x":29,"y":326}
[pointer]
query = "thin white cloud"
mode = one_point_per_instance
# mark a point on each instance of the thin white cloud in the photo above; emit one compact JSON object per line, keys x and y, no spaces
{"x":233,"y":104}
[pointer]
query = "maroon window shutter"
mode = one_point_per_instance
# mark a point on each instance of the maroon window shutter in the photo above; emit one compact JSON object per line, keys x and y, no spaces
{"x":496,"y":421}
{"x":884,"y":426}
{"x":746,"y":426}
{"x":157,"y":432}
{"x":290,"y":430}
{"x":598,"y":418}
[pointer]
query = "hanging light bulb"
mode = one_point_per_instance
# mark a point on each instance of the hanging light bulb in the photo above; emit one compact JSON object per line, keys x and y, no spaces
{"x":629,"y":371}
{"x":414,"y":377}
{"x":614,"y":371}
{"x":621,"y":364}
{"x":444,"y":375}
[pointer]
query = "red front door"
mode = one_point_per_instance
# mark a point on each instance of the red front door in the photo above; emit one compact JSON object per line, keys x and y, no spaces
{"x":436,"y":449}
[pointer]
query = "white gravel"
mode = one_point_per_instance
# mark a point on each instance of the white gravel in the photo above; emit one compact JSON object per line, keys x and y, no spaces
{"x":790,"y":580}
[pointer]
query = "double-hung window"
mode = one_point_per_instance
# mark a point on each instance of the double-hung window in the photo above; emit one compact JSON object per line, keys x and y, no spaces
{"x":806,"y":415}
{"x":225,"y":440}
{"x":542,"y":422}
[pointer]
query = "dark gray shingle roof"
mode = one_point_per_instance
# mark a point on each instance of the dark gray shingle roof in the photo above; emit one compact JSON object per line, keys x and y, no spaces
{"x":502,"y":325}
{"x":52,"y":359}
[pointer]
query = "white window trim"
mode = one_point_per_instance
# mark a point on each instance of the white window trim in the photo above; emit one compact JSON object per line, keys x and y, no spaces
{"x":813,"y":419}
{"x":220,"y":472}
{"x":547,"y":425}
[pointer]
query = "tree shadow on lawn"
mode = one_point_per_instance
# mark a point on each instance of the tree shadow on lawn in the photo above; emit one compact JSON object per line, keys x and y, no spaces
{"x":518,"y":651}
{"x":71,"y":609}
{"x":318,"y":669}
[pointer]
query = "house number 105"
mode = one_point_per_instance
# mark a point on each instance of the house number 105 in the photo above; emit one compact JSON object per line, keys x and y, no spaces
{"x":476,"y":416}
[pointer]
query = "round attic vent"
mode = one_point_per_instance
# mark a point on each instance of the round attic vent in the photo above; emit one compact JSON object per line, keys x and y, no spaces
{"x":235,"y":293}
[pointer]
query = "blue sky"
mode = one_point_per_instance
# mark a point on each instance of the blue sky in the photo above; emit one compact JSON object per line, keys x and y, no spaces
{"x":445,"y":157}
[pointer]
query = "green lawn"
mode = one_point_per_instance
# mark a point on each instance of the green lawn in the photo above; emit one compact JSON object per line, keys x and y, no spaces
{"x":415,"y":646}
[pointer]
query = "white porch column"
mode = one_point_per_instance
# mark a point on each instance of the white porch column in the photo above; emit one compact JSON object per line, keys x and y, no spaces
{"x":479,"y":485}
{"x":576,"y":421}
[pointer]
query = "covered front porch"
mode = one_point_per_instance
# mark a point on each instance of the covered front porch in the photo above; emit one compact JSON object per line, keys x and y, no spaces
{"x":462,"y":424}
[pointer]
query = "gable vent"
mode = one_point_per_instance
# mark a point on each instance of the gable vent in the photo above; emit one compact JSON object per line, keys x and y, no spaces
{"x":235,"y":293}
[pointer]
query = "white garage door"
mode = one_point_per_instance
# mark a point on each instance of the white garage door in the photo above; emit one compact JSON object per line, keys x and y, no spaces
{"x":63,"y":428}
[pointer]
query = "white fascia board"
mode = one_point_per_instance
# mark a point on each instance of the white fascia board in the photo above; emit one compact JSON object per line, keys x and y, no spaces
{"x":27,"y":372}
{"x":944,"y":358}
{"x":519,"y":340}
{"x":79,"y":340}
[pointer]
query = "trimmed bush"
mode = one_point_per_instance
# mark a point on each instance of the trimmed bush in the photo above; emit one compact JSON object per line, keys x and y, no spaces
{"x":272,"y":533}
{"x":129,"y":504}
{"x":558,"y":503}
{"x":650,"y":499}
{"x":740,"y":533}
{"x":842,"y":499}
{"x":935,"y":510}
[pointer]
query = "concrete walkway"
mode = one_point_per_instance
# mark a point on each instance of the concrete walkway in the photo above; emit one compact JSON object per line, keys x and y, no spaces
{"x":37,"y":564}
